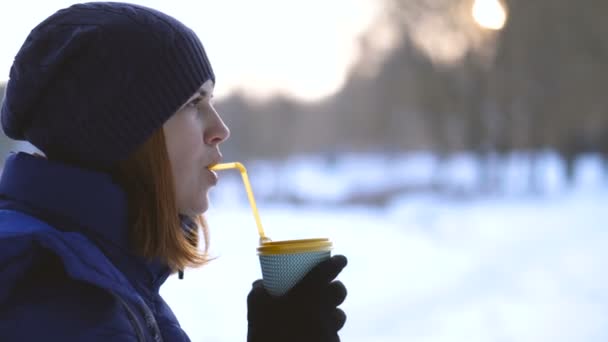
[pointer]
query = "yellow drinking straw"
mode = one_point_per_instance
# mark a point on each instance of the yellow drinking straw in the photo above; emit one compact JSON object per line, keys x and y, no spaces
{"x":254,"y":208}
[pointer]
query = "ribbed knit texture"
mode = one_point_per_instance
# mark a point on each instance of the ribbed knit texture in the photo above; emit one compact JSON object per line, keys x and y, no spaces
{"x":93,"y":81}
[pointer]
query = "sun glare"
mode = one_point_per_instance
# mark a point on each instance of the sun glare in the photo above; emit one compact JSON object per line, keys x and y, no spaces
{"x":489,"y":14}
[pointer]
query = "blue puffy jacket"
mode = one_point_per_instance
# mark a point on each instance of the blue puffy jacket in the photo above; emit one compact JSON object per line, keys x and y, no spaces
{"x":66,"y":270}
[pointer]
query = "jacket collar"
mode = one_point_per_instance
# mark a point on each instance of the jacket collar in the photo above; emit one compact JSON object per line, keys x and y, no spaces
{"x":76,"y":199}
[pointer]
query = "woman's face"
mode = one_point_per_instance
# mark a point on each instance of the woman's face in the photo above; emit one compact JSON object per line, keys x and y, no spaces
{"x":193,"y":135}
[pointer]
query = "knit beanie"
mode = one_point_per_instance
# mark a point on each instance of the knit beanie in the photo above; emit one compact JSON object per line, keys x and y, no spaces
{"x":93,"y":81}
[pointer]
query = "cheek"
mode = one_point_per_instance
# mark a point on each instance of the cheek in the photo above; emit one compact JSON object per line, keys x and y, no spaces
{"x":188,"y":163}
{"x":192,"y":186}
{"x":189,"y":170}
{"x":187,"y":144}
{"x":187,"y":153}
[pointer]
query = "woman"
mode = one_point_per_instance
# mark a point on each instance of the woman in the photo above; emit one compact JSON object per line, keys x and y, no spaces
{"x":118,"y":98}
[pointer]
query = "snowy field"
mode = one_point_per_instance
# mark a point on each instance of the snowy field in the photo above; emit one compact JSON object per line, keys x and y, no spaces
{"x":422,"y":268}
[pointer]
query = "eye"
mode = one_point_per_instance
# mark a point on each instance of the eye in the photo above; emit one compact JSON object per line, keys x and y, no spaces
{"x":195,"y":102}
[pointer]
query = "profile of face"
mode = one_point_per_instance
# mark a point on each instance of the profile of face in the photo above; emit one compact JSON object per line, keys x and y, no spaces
{"x":193,"y":136}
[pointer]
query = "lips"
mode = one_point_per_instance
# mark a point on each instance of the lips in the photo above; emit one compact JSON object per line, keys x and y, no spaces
{"x":212,"y":174}
{"x":214,"y":177}
{"x":216,"y":159}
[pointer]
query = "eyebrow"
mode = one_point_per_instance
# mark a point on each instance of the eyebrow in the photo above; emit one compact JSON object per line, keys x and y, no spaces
{"x":199,"y":93}
{"x":204,"y":93}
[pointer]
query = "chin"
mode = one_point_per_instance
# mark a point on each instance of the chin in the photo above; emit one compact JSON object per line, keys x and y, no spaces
{"x":199,"y":207}
{"x":195,"y":204}
{"x":202,"y":208}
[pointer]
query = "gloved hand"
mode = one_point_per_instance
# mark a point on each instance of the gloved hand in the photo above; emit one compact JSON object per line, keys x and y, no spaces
{"x":306,"y":313}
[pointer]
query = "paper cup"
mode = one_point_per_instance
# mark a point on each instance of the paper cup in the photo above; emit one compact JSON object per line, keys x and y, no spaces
{"x":285,"y":263}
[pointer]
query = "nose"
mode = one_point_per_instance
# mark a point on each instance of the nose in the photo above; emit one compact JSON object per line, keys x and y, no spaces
{"x":217,"y":132}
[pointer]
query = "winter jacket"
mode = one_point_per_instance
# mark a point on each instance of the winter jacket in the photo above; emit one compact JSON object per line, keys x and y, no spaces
{"x":66,"y":270}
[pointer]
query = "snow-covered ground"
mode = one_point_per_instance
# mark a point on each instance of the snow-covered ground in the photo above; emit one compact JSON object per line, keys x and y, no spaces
{"x":518,"y":267}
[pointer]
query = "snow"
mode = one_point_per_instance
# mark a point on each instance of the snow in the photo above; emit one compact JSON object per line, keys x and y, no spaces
{"x":424,"y":267}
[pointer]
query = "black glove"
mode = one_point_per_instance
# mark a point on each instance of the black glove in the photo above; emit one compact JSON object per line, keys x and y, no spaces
{"x":307,"y":313}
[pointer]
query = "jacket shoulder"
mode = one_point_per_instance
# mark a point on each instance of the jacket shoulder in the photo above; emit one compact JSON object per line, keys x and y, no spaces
{"x":23,"y":238}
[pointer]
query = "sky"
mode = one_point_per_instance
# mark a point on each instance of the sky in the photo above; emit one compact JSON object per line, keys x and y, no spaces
{"x":299,"y":48}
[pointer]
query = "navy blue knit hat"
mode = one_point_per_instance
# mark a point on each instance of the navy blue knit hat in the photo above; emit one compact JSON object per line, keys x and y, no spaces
{"x":93,"y":81}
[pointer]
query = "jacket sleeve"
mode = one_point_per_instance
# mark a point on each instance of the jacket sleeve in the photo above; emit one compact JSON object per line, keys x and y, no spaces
{"x":42,"y":303}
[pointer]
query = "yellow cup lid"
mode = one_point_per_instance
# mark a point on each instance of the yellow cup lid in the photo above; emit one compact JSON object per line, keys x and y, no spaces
{"x":294,"y":246}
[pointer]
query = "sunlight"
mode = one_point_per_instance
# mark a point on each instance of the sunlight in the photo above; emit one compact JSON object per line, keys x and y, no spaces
{"x":489,"y":14}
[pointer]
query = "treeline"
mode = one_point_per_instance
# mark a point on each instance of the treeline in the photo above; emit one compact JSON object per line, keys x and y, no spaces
{"x":537,"y":84}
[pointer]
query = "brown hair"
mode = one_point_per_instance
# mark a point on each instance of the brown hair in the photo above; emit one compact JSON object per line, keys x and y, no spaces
{"x":156,"y":230}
